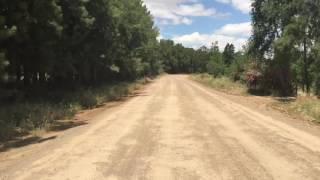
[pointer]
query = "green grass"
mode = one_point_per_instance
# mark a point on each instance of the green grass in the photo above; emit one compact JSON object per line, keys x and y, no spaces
{"x":25,"y":116}
{"x":223,"y":84}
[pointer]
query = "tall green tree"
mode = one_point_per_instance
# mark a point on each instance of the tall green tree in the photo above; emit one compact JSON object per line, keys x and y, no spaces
{"x":5,"y":33}
{"x":73,"y":46}
{"x":284,"y":34}
{"x":31,"y":50}
{"x":229,"y":54}
{"x":216,"y":65}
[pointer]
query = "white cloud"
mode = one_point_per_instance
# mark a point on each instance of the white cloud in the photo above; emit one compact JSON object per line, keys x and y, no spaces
{"x":196,"y":40}
{"x":242,"y":5}
{"x":195,"y":10}
{"x":238,"y":30}
{"x":236,"y":34}
{"x":179,"y":11}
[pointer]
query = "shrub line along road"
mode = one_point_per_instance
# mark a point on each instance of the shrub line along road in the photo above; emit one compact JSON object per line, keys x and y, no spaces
{"x":174,"y":129}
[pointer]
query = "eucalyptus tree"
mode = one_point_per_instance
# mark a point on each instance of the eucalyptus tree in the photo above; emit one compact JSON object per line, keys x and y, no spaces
{"x":285,"y":32}
{"x":216,"y":65}
{"x":229,"y":54}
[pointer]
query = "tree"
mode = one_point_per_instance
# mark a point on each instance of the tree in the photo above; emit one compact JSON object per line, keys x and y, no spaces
{"x":73,"y":46}
{"x":316,"y":67}
{"x":216,"y":65}
{"x":239,"y":66}
{"x":31,"y":50}
{"x":135,"y":31}
{"x":77,"y":42}
{"x":283,"y":36}
{"x":5,"y":33}
{"x":229,"y":54}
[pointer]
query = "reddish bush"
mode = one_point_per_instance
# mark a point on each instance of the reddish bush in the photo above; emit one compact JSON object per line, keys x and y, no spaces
{"x":253,"y":77}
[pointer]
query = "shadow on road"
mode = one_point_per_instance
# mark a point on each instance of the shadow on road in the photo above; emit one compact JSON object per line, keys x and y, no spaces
{"x":27,"y":139}
{"x":64,"y":125}
{"x":24,"y":142}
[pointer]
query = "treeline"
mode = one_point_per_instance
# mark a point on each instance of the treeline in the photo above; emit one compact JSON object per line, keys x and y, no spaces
{"x":285,"y":45}
{"x":71,"y":43}
{"x":179,"y":59}
{"x":75,"y":42}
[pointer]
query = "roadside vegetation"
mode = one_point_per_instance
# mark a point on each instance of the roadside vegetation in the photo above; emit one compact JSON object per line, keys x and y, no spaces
{"x":223,"y":84}
{"x":281,"y":58}
{"x":285,"y":47}
{"x":61,"y":56}
{"x":48,"y":112}
{"x":306,"y":107}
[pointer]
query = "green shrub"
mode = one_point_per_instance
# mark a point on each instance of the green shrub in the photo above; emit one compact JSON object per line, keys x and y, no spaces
{"x":88,"y":100}
{"x":6,"y":130}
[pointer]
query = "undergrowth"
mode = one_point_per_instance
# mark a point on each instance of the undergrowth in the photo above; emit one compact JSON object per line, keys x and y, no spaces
{"x":18,"y":118}
{"x":223,"y":84}
{"x":304,"y":107}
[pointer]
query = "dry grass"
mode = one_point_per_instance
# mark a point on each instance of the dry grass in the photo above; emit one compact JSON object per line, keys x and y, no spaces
{"x":223,"y":84}
{"x":304,"y":107}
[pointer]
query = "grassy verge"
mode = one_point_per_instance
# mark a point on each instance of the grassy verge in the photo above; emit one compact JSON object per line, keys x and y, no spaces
{"x":223,"y":84}
{"x":24,"y":117}
{"x":303,"y":107}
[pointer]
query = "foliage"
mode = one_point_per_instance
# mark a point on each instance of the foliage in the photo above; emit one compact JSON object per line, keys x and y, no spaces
{"x":57,"y":53}
{"x":216,"y":65}
{"x":236,"y":71}
{"x":285,"y":39}
{"x":229,"y":54}
{"x":178,"y":59}
{"x":60,"y":42}
{"x":21,"y":116}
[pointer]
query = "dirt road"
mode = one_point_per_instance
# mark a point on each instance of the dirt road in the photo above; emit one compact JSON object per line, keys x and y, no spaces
{"x":174,"y":129}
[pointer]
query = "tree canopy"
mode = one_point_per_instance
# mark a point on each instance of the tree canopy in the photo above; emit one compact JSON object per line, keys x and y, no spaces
{"x":68,"y":43}
{"x":76,"y":41}
{"x":285,"y":42}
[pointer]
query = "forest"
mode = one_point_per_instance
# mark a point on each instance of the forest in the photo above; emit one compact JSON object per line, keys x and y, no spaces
{"x":60,"y":43}
{"x":51,"y":49}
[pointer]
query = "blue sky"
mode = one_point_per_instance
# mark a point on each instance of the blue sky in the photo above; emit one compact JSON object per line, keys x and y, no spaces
{"x":200,"y":22}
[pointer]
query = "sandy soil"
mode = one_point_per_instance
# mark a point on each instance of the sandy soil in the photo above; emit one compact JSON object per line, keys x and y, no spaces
{"x":175,"y":129}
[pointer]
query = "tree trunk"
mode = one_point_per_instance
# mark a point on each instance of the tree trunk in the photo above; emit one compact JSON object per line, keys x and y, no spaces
{"x":42,"y":77}
{"x":26,"y":76}
{"x":18,"y":74}
{"x":305,"y":61}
